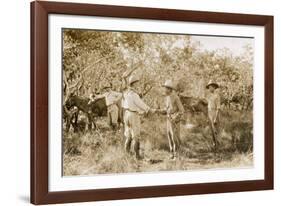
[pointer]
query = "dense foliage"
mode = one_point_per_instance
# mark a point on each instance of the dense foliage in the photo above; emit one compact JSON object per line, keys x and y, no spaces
{"x":91,"y":59}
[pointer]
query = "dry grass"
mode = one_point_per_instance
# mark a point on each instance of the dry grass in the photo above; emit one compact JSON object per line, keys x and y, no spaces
{"x":101,"y":151}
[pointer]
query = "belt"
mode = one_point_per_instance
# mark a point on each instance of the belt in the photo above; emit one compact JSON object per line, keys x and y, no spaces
{"x":172,"y":113}
{"x":129,"y":110}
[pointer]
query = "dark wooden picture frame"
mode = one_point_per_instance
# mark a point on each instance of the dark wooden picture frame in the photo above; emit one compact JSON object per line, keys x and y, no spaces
{"x":39,"y":102}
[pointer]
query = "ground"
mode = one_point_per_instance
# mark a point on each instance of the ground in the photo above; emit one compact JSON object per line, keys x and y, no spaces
{"x":102,"y":151}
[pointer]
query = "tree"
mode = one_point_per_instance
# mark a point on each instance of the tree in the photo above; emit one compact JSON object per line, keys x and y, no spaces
{"x":92,"y":58}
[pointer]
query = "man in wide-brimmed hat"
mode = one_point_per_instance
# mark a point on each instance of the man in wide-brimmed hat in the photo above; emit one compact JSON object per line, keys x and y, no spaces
{"x":133,"y":106}
{"x":214,"y":104}
{"x":111,"y":100}
{"x":174,"y":111}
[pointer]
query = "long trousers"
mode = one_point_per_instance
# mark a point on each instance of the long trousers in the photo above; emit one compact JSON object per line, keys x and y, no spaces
{"x":132,"y":131}
{"x":173,"y":133}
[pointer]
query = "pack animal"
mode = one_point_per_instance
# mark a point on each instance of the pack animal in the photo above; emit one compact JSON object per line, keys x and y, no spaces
{"x":194,"y":105}
{"x":94,"y":109}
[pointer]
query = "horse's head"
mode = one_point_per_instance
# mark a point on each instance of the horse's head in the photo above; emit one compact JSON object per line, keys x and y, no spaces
{"x":71,"y":101}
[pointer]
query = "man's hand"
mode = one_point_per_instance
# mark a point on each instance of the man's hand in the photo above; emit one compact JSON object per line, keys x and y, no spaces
{"x":152,"y":110}
{"x":161,"y":111}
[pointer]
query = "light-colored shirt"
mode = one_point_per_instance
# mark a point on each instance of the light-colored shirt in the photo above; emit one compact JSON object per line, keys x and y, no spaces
{"x":173,"y":104}
{"x":214,"y":102}
{"x":133,"y":102}
{"x":111,"y":97}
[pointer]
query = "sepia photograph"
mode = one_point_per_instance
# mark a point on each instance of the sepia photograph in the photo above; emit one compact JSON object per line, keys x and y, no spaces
{"x":136,"y":102}
{"x":141,"y":102}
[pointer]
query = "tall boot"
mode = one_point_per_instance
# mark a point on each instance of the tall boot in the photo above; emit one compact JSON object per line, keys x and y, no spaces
{"x":216,"y":144}
{"x":175,"y":155}
{"x":137,"y":149}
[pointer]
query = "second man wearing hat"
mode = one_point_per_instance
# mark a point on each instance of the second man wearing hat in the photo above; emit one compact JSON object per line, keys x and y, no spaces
{"x":111,"y":100}
{"x":174,"y":111}
{"x":214,"y":104}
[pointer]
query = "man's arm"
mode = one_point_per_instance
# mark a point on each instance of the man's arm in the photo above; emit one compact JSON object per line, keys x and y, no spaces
{"x":179,"y":104}
{"x":93,"y":99}
{"x":140,"y":103}
{"x":162,"y":111}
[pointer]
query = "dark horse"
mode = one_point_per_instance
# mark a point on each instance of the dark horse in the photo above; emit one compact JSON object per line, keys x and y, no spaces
{"x":194,"y":105}
{"x":92,"y":110}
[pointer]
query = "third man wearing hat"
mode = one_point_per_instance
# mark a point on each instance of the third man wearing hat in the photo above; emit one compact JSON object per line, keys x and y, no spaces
{"x":214,"y":104}
{"x":111,"y":100}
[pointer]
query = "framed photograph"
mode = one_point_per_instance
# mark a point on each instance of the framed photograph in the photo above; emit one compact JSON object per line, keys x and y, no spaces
{"x":133,"y":102}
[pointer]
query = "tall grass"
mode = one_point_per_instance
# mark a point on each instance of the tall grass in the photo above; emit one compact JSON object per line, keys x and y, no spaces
{"x":102,"y":151}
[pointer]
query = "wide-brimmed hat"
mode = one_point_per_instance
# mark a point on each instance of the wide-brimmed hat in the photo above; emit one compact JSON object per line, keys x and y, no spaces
{"x":133,"y":79}
{"x":213,"y":84}
{"x":169,"y":84}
